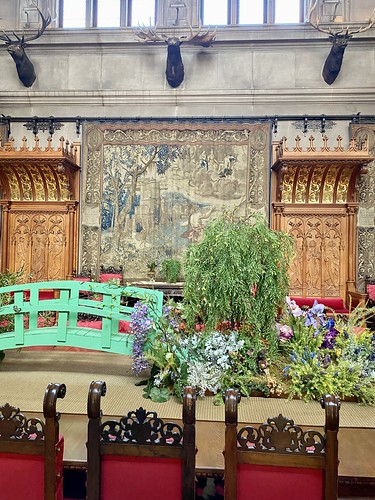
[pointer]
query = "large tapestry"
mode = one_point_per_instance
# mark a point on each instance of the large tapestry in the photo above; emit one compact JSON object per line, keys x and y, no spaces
{"x":150,"y":188}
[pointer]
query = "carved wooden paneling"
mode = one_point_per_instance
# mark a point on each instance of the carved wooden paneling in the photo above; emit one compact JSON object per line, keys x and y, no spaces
{"x":319,"y":267}
{"x":39,"y":223}
{"x":38,"y":242}
{"x":315,"y":200}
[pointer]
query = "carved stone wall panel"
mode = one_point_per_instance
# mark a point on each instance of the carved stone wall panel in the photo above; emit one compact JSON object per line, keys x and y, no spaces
{"x":90,"y":248}
{"x":366,"y":213}
{"x":366,"y":255}
{"x":151,"y":188}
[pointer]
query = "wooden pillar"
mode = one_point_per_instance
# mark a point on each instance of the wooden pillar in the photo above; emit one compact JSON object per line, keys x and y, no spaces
{"x":278,"y":212}
{"x":352,"y":209}
{"x":4,"y":235}
{"x":71,"y":208}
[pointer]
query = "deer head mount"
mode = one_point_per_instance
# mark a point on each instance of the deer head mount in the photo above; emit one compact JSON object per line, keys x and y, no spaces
{"x":175,"y":72}
{"x":339,"y":36}
{"x":16,"y":48}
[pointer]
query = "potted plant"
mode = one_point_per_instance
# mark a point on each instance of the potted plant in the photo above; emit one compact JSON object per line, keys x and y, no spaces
{"x":151,"y":266}
{"x":170,"y":270}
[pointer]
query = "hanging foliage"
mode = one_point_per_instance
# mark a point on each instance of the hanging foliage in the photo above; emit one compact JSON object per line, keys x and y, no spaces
{"x":237,"y":273}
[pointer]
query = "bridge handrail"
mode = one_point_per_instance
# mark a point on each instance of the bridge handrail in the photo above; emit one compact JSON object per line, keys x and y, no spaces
{"x":21,"y":307}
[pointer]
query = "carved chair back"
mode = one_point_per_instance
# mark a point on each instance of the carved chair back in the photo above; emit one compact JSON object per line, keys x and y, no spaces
{"x":31,"y":451}
{"x":279,"y":459}
{"x":140,"y":455}
{"x":111,"y":273}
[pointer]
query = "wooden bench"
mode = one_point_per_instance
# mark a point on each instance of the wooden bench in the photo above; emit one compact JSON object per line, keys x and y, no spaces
{"x":28,"y":320}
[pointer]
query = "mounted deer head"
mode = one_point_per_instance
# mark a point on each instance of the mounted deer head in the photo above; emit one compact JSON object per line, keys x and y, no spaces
{"x":175,"y":68}
{"x":339,"y":39}
{"x":16,"y":49}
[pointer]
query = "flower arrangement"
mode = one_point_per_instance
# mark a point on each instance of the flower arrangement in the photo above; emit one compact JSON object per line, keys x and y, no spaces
{"x":317,"y":354}
{"x":327,"y":354}
{"x":225,"y":333}
{"x":211,"y":360}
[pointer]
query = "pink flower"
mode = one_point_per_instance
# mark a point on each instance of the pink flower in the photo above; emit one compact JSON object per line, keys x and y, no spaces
{"x":285,"y":332}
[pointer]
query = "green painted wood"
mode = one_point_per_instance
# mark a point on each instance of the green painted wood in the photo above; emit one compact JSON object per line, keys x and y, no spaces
{"x":21,"y":307}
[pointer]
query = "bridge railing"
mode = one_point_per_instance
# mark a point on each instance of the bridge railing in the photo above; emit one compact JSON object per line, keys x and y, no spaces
{"x":49,"y":313}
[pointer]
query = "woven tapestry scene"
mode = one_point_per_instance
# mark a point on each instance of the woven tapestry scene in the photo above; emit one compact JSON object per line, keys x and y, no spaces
{"x":150,"y":188}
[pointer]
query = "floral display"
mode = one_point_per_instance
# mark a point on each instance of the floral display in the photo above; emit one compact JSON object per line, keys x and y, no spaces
{"x":327,"y":354}
{"x":234,"y":327}
{"x":317,"y":353}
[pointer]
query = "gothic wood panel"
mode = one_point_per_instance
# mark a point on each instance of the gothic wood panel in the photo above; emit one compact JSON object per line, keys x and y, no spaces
{"x":315,"y":200}
{"x":39,"y":218}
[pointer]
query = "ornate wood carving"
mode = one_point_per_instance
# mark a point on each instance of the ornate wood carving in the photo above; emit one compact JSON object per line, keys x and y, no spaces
{"x":280,"y":435}
{"x":315,"y":200}
{"x":141,"y":427}
{"x":40,"y":192}
{"x":15,"y":426}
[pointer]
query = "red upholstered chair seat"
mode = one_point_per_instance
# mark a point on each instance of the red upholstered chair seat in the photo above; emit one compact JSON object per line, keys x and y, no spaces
{"x":371,"y":292}
{"x":22,"y":476}
{"x":106,"y":277}
{"x":141,"y":478}
{"x":263,"y":482}
{"x":335,"y":303}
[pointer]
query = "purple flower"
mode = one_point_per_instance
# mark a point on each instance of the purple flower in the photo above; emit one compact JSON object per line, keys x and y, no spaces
{"x":312,"y":315}
{"x":140,"y":325}
{"x":295,"y":310}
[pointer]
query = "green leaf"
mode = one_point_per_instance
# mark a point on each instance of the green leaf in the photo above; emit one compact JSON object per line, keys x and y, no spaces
{"x":159,"y":395}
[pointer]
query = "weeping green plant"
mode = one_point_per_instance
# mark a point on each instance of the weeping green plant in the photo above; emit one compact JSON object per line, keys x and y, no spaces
{"x":238,"y":273}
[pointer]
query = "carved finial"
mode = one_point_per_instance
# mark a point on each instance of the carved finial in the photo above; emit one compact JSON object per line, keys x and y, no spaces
{"x":352,"y":144}
{"x":49,"y":143}
{"x":339,"y":145}
{"x":24,"y":144}
{"x":284,"y":144}
{"x":62,"y":140}
{"x":325,"y":144}
{"x":298,"y":144}
{"x":311,"y":145}
{"x":36,"y":144}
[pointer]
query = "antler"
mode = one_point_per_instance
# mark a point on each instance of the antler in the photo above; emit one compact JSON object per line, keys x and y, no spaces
{"x":332,"y":32}
{"x":46,"y":21}
{"x":205,"y":39}
{"x":149,"y":35}
{"x":315,"y":25}
{"x":371,"y":23}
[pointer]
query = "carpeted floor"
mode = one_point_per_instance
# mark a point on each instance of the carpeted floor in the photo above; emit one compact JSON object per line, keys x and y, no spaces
{"x":24,"y":375}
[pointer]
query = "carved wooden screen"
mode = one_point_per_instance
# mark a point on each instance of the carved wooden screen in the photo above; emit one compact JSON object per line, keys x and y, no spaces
{"x":315,"y":201}
{"x":39,"y":191}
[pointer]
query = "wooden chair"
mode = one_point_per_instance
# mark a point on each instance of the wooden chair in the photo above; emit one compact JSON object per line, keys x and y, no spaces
{"x":140,"y":456}
{"x":279,"y":460}
{"x":31,"y":451}
{"x":111,"y":273}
